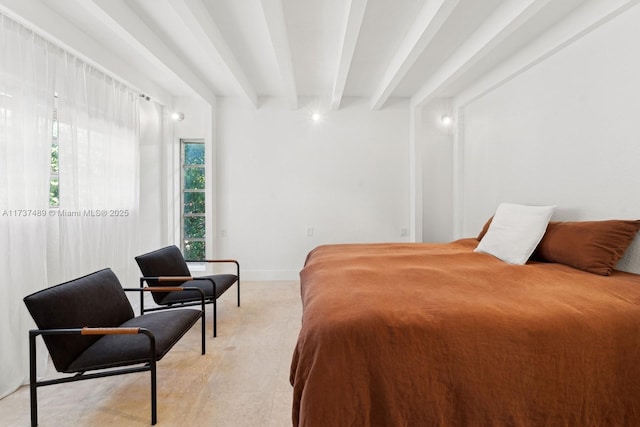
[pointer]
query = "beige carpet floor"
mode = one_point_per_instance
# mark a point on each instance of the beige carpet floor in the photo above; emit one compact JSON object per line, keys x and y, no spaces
{"x":243,"y":380}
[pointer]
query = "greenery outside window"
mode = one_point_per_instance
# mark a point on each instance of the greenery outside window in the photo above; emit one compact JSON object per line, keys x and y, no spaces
{"x":54,"y":171}
{"x":193,"y":219}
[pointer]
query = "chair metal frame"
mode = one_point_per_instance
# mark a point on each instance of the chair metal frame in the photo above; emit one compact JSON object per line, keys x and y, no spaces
{"x":208,"y":300}
{"x":80,"y":376}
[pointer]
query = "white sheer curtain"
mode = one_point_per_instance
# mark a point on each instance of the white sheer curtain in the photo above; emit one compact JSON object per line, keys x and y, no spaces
{"x":98,"y":140}
{"x":26,"y":106}
{"x":95,"y":225}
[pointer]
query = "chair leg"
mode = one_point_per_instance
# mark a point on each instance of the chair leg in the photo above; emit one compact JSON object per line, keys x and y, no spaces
{"x":203,"y":331}
{"x":215,"y":309}
{"x":154,"y":403}
{"x":33,"y":378}
{"x":215,"y":317}
{"x":238,"y":291}
{"x":152,"y":370}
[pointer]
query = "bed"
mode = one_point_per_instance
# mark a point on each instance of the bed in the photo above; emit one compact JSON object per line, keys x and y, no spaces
{"x":397,"y":334}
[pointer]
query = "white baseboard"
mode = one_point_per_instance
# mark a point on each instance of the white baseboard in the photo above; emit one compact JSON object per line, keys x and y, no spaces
{"x":269,"y":275}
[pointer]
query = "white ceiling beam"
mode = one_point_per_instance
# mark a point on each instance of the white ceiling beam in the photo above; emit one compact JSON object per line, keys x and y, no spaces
{"x":426,"y":25}
{"x":197,"y":18}
{"x":355,"y":14}
{"x":50,"y":25}
{"x":578,"y":23}
{"x":124,"y":21}
{"x":507,"y":19}
{"x":274,"y":17}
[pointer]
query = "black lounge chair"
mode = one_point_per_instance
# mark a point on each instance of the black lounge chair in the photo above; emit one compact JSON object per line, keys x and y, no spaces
{"x":88,"y":324}
{"x":167,"y":265}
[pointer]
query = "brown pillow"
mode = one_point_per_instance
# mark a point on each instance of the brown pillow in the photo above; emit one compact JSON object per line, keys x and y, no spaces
{"x":593,"y":246}
{"x":485,"y":228}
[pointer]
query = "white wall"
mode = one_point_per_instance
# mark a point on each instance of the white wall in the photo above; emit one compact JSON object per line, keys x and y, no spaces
{"x":436,"y":152}
{"x":280,"y":174}
{"x":564,"y":132}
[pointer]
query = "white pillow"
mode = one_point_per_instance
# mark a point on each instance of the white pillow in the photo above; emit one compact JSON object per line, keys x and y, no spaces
{"x":515,"y":232}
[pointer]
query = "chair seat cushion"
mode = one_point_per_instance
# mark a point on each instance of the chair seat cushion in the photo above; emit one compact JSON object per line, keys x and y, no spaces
{"x":222,"y":281}
{"x":110,"y":351}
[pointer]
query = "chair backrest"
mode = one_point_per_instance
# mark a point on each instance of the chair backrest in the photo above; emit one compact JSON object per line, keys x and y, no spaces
{"x":94,"y":300}
{"x":167,"y":261}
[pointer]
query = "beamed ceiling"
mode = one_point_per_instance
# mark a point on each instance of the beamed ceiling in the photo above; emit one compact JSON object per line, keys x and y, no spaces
{"x":330,"y":49}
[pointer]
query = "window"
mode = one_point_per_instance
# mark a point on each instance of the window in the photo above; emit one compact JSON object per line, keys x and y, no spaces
{"x":193,"y":218}
{"x":54,"y":177}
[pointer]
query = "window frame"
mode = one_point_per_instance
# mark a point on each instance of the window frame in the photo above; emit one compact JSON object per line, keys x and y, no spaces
{"x":183,"y":191}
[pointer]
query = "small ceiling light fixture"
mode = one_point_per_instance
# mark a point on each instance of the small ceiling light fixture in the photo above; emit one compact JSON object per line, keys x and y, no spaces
{"x":316,"y":117}
{"x":446,"y":119}
{"x":177,"y":116}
